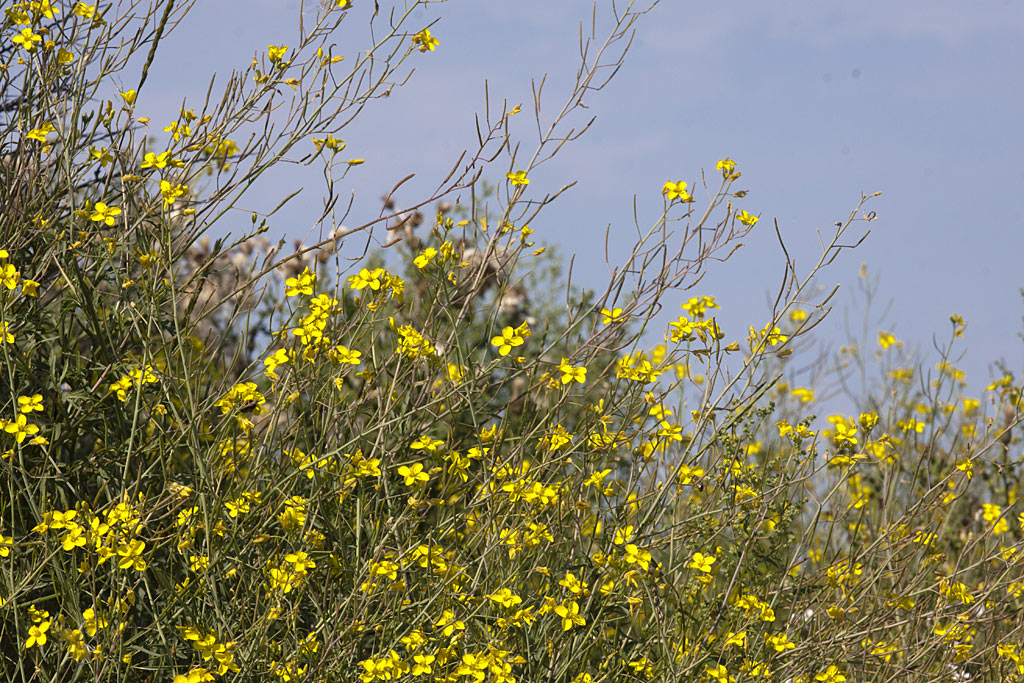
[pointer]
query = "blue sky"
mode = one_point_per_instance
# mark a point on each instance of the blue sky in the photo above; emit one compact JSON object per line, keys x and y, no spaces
{"x":817,"y":101}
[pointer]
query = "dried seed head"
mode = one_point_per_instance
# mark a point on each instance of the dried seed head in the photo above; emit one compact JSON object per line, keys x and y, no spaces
{"x":513,"y":301}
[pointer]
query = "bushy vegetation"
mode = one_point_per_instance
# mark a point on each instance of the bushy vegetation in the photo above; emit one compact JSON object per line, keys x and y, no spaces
{"x":435,"y":458}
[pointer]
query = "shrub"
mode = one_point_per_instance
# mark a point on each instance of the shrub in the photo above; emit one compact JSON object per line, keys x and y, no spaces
{"x":224,"y":461}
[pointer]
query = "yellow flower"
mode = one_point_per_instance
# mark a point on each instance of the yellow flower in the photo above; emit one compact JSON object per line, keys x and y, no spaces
{"x":276,"y":52}
{"x":697,"y":306}
{"x":366,"y":278}
{"x":177,"y":130}
{"x":45,"y":8}
{"x":39,"y":134}
{"x":518,"y":178}
{"x":967,"y":467}
{"x":830,"y":675}
{"x":449,"y":624}
{"x":27,"y":404}
{"x":687,"y":474}
{"x":161,"y":160}
{"x":20,"y":428}
{"x":301,"y":284}
{"x":803,"y":395}
{"x":425,"y":41}
{"x":171,"y":192}
{"x":726,"y":166}
{"x":344,"y":355}
{"x":37,"y":634}
{"x":609,"y":316}
{"x":637,"y":556}
{"x":569,"y":612}
{"x":702,"y":562}
{"x":104,"y":214}
{"x":330,"y":142}
{"x":572,"y":373}
{"x":131,"y":555}
{"x":573,"y":584}
{"x":421,"y":663}
{"x":505,"y":598}
{"x":845,"y":434}
{"x":508,"y":339}
{"x":9,"y":276}
{"x":83,"y":10}
{"x":426,"y":443}
{"x":279,"y":357}
{"x":27,"y":39}
{"x":770,"y":334}
{"x":413,"y":344}
{"x":887,"y":339}
{"x":868,"y":420}
{"x":992,"y":514}
{"x":425,"y":258}
{"x":738,"y":639}
{"x":198,"y":675}
{"x":718,"y":673}
{"x":746,"y":218}
{"x":672,"y":190}
{"x":779,"y":642}
{"x":456,"y":372}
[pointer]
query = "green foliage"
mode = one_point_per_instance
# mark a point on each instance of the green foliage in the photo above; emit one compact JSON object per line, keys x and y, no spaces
{"x":224,"y":462}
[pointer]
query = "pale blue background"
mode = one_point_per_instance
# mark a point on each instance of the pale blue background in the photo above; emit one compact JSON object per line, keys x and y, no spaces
{"x":816,"y":100}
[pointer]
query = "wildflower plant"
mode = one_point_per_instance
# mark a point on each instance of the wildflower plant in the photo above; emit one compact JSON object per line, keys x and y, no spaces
{"x":222,"y":461}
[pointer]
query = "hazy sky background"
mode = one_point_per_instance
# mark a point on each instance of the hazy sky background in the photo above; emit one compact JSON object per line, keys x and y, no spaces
{"x":816,"y":101}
